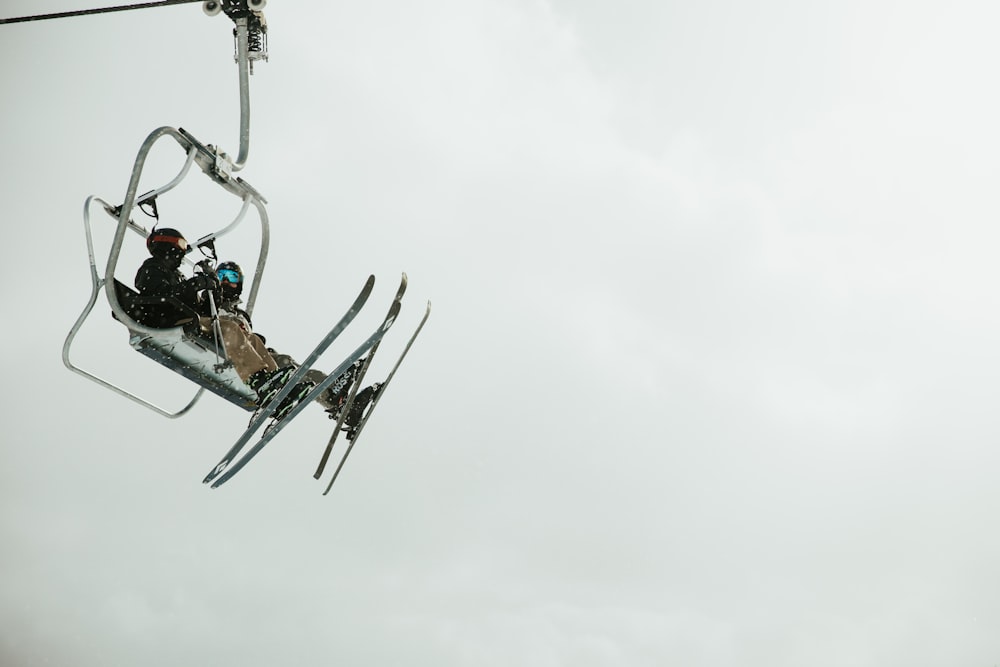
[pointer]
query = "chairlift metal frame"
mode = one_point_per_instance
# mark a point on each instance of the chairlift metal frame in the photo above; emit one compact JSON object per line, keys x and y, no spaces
{"x":183,"y":349}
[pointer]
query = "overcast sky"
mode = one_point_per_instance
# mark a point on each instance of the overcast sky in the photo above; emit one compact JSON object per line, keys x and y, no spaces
{"x":709,"y":381}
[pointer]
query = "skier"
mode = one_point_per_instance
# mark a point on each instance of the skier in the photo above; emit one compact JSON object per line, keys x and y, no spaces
{"x":230,"y":277}
{"x":246,"y":349}
{"x":160,"y":276}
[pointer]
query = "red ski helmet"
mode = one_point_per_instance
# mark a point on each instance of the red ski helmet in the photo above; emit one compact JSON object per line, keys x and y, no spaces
{"x":164,"y":239}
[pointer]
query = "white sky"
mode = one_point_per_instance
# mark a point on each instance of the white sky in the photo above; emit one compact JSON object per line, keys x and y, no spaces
{"x":709,"y":380}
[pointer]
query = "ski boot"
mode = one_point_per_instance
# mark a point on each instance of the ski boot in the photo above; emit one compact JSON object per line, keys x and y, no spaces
{"x":335,"y":396}
{"x":266,"y":384}
{"x":356,"y":414}
{"x":299,"y":392}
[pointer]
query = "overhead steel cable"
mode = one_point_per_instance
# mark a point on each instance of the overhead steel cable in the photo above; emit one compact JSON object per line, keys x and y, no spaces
{"x":101,"y":10}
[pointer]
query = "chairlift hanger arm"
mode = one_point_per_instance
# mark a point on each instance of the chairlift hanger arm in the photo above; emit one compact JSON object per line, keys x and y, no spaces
{"x":100,"y":10}
{"x":250,"y":35}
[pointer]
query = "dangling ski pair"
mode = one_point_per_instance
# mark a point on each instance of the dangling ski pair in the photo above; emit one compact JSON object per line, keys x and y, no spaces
{"x":361,"y":401}
{"x":267,"y":385}
{"x":335,"y":398}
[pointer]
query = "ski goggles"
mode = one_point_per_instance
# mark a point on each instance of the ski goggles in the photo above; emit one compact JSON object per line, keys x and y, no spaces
{"x":228,"y":276}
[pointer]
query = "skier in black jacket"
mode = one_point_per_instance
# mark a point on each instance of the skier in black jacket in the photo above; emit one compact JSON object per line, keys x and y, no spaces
{"x":160,"y":276}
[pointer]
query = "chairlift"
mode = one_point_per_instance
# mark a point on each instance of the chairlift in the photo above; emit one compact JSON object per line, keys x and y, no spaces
{"x":188,"y":347}
{"x":185,"y":349}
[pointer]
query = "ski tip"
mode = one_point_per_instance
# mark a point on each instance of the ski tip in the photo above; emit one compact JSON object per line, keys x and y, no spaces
{"x":402,"y":288}
{"x":215,"y":472}
{"x":219,"y":482}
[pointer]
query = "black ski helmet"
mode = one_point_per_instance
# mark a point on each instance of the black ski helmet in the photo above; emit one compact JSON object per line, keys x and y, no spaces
{"x":164,"y":240}
{"x":226,"y":272}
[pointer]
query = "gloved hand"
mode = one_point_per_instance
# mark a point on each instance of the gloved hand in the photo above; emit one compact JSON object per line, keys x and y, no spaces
{"x":206,"y":281}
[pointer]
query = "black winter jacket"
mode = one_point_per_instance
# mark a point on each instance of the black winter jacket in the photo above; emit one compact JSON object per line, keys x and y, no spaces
{"x":158,"y":276}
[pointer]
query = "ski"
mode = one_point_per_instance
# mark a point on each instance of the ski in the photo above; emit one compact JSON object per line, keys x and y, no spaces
{"x":263,"y":414}
{"x":352,"y":437}
{"x":276,"y":427}
{"x":345,"y":409}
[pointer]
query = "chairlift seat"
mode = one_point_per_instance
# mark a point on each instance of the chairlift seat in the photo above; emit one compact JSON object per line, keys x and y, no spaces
{"x":183,"y":347}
